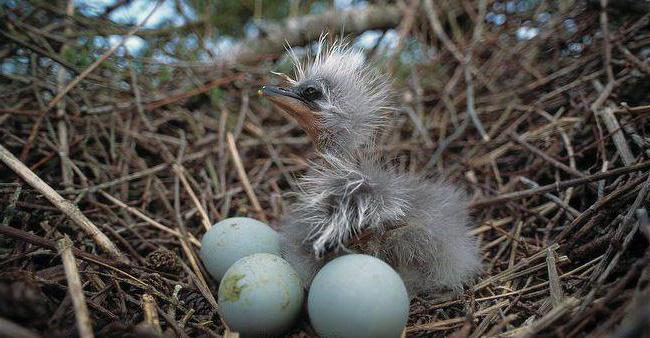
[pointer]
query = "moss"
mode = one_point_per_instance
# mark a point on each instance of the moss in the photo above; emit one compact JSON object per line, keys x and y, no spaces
{"x":231,"y":290}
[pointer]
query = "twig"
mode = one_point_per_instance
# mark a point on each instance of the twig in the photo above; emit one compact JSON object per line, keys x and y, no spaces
{"x":244,"y":177}
{"x":545,"y":156}
{"x":613,"y":196}
{"x":197,"y":275}
{"x":612,"y":125}
{"x":64,"y":205}
{"x":607,"y":50}
{"x":553,"y":279}
{"x":205,"y":220}
{"x":84,"y":326}
{"x":430,"y":9}
{"x":64,"y":146}
{"x":643,"y":66}
{"x":148,"y":219}
{"x":573,"y":212}
{"x":550,"y":317}
{"x":619,"y":243}
{"x":59,"y":96}
{"x":151,"y":312}
{"x":520,"y":264}
{"x":560,"y":185}
{"x":471,"y":111}
{"x":194,"y":92}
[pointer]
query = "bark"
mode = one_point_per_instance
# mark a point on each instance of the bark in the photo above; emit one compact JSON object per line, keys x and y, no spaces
{"x":298,"y":31}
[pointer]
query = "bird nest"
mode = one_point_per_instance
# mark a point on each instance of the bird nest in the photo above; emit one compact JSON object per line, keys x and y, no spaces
{"x":119,"y":164}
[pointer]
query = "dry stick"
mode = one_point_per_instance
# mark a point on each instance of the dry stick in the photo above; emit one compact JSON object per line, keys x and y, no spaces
{"x":523,"y":262}
{"x":196,"y":275}
{"x":602,"y":271}
{"x":499,"y":326}
{"x":140,"y":174}
{"x":549,"y":318}
{"x":465,"y":60}
{"x":607,"y":50}
{"x":573,"y":213}
{"x":64,"y":146}
{"x":526,"y":289}
{"x":614,"y":128}
{"x":244,"y":177}
{"x":64,"y":205}
{"x":59,"y":96}
{"x":205,"y":220}
{"x":45,"y":243}
{"x":600,"y":203}
{"x":553,"y":279}
{"x":194,"y":92}
{"x":46,"y":53}
{"x":148,"y":219}
{"x":440,"y":32}
{"x":442,"y":324}
{"x":633,"y":59}
{"x":468,"y":75}
{"x":64,"y":247}
{"x":545,"y":156}
{"x":559,"y":185}
{"x":101,"y":261}
{"x":151,"y":312}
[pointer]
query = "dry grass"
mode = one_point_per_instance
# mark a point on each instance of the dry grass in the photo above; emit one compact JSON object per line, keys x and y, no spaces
{"x":552,"y":147}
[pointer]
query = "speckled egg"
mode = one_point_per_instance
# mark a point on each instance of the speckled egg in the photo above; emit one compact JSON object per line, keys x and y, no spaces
{"x":260,"y":295}
{"x":358,"y":296}
{"x":234,"y":238}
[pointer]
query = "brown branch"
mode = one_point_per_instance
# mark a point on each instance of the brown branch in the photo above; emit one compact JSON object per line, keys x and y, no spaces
{"x":75,"y":288}
{"x":59,"y":96}
{"x":67,"y":207}
{"x":559,"y":185}
{"x":194,"y":92}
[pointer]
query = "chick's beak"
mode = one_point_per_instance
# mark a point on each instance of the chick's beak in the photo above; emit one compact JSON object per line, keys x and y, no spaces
{"x":293,"y":104}
{"x":286,"y":99}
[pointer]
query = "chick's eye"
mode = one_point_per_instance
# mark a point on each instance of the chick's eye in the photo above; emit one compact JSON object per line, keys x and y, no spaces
{"x":311,"y":93}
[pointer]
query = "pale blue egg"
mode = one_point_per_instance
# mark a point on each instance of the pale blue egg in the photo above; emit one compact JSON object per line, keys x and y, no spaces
{"x":358,"y":296}
{"x":234,"y":238}
{"x":260,"y":295}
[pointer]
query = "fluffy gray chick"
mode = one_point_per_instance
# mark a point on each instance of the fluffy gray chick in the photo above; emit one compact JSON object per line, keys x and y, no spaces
{"x":349,"y":200}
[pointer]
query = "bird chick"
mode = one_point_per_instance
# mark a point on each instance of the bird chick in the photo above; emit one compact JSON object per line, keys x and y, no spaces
{"x":352,"y":201}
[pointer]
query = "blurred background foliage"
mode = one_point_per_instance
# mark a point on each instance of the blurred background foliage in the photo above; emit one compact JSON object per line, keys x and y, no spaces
{"x":206,"y":31}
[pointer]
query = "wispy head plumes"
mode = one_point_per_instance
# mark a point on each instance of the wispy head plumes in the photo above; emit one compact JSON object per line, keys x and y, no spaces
{"x":357,"y":97}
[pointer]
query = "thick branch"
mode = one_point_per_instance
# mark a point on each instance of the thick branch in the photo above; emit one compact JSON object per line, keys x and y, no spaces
{"x":298,"y":31}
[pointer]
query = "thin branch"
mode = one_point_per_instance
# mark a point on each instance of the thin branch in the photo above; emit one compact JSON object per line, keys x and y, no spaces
{"x":67,"y":207}
{"x":560,"y":185}
{"x":232,"y":147}
{"x":59,"y":96}
{"x":75,"y":288}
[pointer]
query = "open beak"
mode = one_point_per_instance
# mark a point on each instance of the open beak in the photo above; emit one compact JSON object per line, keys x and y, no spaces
{"x":293,"y":104}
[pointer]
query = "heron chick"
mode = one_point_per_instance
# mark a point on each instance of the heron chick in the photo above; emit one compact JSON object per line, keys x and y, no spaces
{"x":352,"y":201}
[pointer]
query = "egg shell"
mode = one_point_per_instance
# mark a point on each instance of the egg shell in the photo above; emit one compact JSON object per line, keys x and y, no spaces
{"x":234,"y":238}
{"x":358,"y":296}
{"x":260,"y":295}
